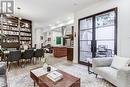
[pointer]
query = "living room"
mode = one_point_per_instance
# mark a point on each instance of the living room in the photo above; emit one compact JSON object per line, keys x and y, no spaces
{"x":68,"y":43}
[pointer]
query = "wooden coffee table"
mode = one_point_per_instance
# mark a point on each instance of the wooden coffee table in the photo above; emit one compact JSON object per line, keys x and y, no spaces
{"x":67,"y":81}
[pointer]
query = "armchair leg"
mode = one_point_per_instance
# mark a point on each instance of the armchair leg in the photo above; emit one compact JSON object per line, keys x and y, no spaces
{"x":96,"y":75}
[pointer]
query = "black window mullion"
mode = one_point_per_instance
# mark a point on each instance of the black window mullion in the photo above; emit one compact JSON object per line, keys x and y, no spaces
{"x":94,"y":38}
{"x":115,"y":23}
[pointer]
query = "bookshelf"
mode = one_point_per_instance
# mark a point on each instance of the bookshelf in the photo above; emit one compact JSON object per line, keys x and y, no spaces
{"x":25,"y":32}
{"x":17,"y":32}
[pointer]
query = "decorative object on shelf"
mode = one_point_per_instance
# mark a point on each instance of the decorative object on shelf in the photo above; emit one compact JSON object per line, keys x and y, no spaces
{"x":2,"y":50}
{"x":2,"y":35}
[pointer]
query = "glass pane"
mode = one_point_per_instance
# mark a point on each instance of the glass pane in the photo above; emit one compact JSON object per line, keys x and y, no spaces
{"x":84,"y":56}
{"x":105,"y":33}
{"x":85,"y":45}
{"x":86,"y":24}
{"x":86,"y":35}
{"x":105,"y":19}
{"x":105,"y":48}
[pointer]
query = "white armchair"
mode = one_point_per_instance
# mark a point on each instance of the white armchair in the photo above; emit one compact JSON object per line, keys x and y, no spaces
{"x":119,"y":78}
{"x":123,"y":77}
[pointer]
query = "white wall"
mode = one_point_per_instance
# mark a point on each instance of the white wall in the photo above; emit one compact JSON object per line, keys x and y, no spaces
{"x":37,"y":33}
{"x":33,"y":34}
{"x":38,"y":30}
{"x":53,"y":35}
{"x":123,"y":23}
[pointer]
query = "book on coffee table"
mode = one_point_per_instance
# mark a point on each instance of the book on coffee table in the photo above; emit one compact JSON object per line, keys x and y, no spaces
{"x":55,"y":76}
{"x":42,"y":71}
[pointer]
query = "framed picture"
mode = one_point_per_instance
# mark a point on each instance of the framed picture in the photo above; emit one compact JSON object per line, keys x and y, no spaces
{"x":58,"y":40}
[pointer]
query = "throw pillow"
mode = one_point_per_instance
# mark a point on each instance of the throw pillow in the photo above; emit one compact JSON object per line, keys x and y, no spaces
{"x":119,"y":62}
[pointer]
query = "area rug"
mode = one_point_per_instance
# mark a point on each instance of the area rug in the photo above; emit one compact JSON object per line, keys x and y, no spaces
{"x":87,"y":80}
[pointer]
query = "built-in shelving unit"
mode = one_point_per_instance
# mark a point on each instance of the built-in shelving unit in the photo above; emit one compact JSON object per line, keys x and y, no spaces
{"x":26,"y":32}
{"x":16,"y":31}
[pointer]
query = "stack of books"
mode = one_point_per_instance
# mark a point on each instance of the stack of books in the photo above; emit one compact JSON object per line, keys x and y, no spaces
{"x":55,"y":76}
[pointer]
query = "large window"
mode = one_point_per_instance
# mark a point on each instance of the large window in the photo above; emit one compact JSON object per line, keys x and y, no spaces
{"x":98,"y":35}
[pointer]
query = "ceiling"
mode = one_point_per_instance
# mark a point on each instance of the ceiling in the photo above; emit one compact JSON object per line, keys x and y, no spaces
{"x":44,"y":11}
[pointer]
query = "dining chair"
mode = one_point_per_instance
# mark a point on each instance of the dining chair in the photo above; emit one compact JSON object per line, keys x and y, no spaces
{"x":28,"y":55}
{"x":14,"y":56}
{"x":39,"y":53}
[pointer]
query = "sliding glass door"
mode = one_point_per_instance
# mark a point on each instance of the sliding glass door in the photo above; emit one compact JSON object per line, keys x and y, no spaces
{"x":98,"y":36}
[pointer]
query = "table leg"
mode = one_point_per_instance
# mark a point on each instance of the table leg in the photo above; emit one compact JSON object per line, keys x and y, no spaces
{"x":34,"y":84}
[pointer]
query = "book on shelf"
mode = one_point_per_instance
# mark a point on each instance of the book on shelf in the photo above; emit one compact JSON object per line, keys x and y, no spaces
{"x":55,"y":76}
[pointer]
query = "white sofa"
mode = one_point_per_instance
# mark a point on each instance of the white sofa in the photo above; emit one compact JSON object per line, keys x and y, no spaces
{"x":118,"y":77}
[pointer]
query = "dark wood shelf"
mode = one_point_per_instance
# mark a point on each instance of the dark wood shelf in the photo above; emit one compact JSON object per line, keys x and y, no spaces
{"x":22,"y":44}
{"x":8,"y":27}
{"x":25,"y":40}
{"x":26,"y":36}
{"x":26,"y":31}
{"x":11,"y":35}
{"x":25,"y":27}
{"x":10,"y":30}
{"x":10,"y":45}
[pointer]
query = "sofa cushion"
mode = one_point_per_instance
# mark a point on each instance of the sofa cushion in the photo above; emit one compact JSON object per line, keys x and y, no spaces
{"x":108,"y":73}
{"x":3,"y":82}
{"x":120,"y":62}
